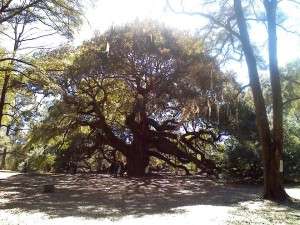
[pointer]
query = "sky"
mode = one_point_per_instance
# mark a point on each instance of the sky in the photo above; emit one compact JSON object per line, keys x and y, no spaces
{"x":102,"y":14}
{"x":111,"y":12}
{"x":105,"y":13}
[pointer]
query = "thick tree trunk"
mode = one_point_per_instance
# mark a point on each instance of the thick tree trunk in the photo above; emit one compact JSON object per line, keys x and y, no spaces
{"x":137,"y":163}
{"x":138,"y":159}
{"x":273,"y":188}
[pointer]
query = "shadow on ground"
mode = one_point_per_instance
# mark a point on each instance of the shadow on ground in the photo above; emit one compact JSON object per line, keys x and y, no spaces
{"x":102,"y":196}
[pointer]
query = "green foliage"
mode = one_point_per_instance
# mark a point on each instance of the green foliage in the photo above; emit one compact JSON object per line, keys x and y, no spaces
{"x":92,"y":91}
{"x":96,"y":88}
{"x":291,"y":93}
{"x":60,"y":15}
{"x":37,"y":160}
{"x":241,"y":154}
{"x":242,"y":159}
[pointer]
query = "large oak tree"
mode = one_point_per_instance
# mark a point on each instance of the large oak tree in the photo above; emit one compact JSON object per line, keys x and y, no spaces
{"x":145,"y":91}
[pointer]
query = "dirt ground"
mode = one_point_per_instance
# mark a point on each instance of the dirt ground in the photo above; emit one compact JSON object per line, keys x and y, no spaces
{"x":90,"y":199}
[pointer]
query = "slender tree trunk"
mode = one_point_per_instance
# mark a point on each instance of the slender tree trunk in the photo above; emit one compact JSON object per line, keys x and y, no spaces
{"x":3,"y":95}
{"x":272,"y":185}
{"x":3,"y":160}
{"x":275,"y":189}
{"x":5,"y":85}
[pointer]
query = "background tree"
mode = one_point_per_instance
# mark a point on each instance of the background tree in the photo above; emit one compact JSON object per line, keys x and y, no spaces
{"x":59,"y":14}
{"x":22,"y":24}
{"x":233,"y":19}
{"x":291,"y":93}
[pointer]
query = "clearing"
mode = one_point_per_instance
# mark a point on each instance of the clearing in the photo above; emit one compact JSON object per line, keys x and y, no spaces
{"x":94,"y":198}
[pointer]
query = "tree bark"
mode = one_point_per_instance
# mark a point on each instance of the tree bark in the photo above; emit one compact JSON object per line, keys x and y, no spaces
{"x":137,"y":162}
{"x":5,"y":86}
{"x":3,"y":95}
{"x":273,"y":188}
{"x":136,"y":153}
{"x":3,"y":160}
{"x":138,"y":159}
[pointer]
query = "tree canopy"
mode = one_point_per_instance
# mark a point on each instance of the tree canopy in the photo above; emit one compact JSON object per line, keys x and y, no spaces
{"x":143,"y":91}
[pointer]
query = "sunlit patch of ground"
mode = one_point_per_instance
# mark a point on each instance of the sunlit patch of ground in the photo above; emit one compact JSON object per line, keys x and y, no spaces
{"x":6,"y":174}
{"x":192,"y":215}
{"x":101,"y":199}
{"x":294,"y":192}
{"x":265,"y":212}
